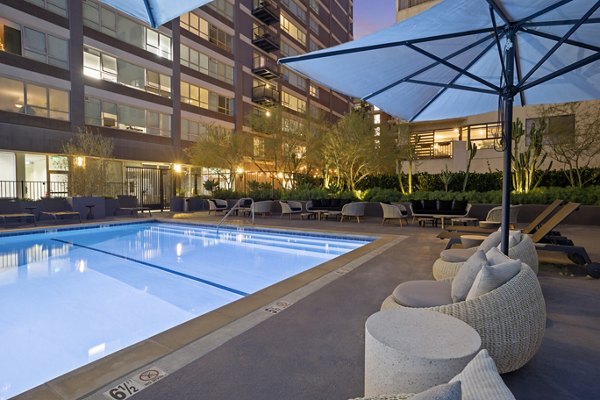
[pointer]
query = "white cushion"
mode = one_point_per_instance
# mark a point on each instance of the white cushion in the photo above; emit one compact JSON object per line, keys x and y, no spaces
{"x":480,"y":380}
{"x":462,"y":282}
{"x":495,"y":256}
{"x":493,"y":276}
{"x":447,"y":391}
{"x":514,"y":238}
{"x":457,"y":255}
{"x":492,"y":240}
{"x":423,"y":293}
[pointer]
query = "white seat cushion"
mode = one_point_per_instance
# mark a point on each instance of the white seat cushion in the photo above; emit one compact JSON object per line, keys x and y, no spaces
{"x":423,"y":293}
{"x":457,"y":255}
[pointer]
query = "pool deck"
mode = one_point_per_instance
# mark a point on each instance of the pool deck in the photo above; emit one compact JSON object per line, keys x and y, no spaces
{"x":313,"y":347}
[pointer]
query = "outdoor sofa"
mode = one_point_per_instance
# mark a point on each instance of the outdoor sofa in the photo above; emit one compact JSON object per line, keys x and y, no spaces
{"x":326,"y":204}
{"x":443,"y":208}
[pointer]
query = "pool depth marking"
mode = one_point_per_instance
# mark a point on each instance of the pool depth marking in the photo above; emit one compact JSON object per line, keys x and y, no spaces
{"x":195,"y":278}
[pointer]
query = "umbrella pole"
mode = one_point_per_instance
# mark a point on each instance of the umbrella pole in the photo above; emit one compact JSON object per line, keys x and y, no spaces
{"x":507,"y":99}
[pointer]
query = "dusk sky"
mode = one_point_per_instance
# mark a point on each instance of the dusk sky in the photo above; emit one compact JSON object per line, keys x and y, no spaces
{"x":373,"y":15}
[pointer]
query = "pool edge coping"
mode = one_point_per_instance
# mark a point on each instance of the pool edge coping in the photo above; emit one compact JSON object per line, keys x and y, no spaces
{"x":90,"y":379}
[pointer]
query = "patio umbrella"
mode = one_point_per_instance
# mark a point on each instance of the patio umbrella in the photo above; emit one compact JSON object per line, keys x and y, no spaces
{"x":155,"y":12}
{"x":465,"y":57}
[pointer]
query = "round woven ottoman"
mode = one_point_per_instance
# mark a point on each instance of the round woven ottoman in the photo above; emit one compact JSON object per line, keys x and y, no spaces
{"x":410,"y":350}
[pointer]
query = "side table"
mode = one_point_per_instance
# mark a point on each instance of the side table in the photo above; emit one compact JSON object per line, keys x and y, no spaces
{"x":409,"y":350}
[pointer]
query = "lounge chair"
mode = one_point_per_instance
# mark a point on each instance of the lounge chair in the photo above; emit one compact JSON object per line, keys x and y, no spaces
{"x":217,"y":205}
{"x":12,"y":210}
{"x":531,"y":228}
{"x":130,"y":204}
{"x":393,"y":211}
{"x":57,"y":208}
{"x":290,"y":208}
{"x":261,"y":207}
{"x":511,"y":319}
{"x":353,"y":210}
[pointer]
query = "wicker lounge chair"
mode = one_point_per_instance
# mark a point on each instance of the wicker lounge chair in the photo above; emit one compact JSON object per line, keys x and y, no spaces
{"x":511,"y":319}
{"x":217,"y":205}
{"x":57,"y":208}
{"x":524,"y":250}
{"x":353,"y":210}
{"x":261,"y":207}
{"x":393,"y":211}
{"x":290,"y":208}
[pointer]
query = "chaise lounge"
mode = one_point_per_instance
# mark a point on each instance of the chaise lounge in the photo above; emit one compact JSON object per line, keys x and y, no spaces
{"x":130,"y":204}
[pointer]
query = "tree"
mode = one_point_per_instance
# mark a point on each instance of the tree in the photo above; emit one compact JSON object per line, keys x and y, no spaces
{"x":285,"y":141}
{"x":573,"y":137}
{"x":221,"y":150}
{"x":526,"y":163}
{"x":88,"y":163}
{"x":407,"y":153}
{"x":351,"y":149}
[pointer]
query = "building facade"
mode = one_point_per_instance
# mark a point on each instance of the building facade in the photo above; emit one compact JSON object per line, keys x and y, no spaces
{"x":68,"y":66}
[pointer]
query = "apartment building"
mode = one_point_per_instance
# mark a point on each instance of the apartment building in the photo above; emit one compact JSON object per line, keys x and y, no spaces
{"x":73,"y":65}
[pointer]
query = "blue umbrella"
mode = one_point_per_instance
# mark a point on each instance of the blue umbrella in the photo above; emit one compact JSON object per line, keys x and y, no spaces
{"x":465,"y":57}
{"x":155,"y":12}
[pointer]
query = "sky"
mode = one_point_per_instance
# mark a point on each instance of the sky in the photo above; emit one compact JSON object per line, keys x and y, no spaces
{"x":373,"y":15}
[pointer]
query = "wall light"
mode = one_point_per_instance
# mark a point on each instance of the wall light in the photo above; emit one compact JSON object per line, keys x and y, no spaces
{"x":177,"y":167}
{"x":240,"y":170}
{"x":80,"y":161}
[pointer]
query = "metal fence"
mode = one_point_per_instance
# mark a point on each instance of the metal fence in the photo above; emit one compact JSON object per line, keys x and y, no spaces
{"x":35,"y":190}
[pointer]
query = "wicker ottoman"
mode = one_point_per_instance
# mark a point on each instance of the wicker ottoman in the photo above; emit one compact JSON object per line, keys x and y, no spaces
{"x":410,"y":350}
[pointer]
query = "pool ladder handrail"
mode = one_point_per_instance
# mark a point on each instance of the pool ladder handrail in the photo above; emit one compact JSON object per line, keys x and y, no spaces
{"x":236,"y":206}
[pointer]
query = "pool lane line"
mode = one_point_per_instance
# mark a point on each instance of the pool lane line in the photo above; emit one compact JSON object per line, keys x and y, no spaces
{"x":194,"y":278}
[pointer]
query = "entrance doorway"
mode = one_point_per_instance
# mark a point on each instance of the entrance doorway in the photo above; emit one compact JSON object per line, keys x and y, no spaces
{"x":151,"y":186}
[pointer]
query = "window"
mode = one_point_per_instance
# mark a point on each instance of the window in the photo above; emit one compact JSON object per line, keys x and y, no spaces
{"x":376,"y":119}
{"x":314,"y":25}
{"x":312,"y":45}
{"x":191,"y":130}
{"x":294,"y":79}
{"x":111,"y":115}
{"x":314,"y":5}
{"x":10,"y":37}
{"x":107,"y":21}
{"x":56,"y":6}
{"x":32,"y":99}
{"x":314,"y":90}
{"x":258,"y":148}
{"x":203,"y":98}
{"x":295,"y":9}
{"x":202,"y":63}
{"x":485,"y":136}
{"x":559,"y":129}
{"x":288,"y":50}
{"x":292,"y":102}
{"x":106,"y":67}
{"x":223,"y":7}
{"x":292,"y":29}
{"x":207,"y":31}
{"x":434,"y":144}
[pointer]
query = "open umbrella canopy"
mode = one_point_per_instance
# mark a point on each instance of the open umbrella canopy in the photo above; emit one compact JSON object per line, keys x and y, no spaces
{"x":155,"y":12}
{"x":447,"y":62}
{"x":465,"y":57}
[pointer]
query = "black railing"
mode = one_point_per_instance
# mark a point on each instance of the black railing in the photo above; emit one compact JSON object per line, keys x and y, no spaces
{"x":265,"y":95}
{"x":265,"y":38}
{"x":35,"y":190}
{"x":265,"y":67}
{"x":266,"y":11}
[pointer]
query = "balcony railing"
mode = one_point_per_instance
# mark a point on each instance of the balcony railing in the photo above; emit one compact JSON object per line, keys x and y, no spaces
{"x":266,"y":11}
{"x":265,"y":67}
{"x":435,"y":150}
{"x":264,"y":95}
{"x":264,"y":38}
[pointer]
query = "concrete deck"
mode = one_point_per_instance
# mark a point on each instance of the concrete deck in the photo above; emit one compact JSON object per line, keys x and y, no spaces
{"x":314,"y":349}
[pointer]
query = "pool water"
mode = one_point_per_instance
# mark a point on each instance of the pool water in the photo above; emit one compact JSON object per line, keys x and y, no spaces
{"x":70,"y":297}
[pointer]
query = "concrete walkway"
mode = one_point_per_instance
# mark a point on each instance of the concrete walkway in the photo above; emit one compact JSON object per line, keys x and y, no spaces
{"x":315,"y":348}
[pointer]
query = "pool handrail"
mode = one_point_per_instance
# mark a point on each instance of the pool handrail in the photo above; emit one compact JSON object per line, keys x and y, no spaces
{"x":236,"y":206}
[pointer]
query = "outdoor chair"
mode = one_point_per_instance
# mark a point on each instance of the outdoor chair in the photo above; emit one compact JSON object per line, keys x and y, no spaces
{"x":57,"y":208}
{"x":353,"y":210}
{"x":510,"y":319}
{"x":393,"y":211}
{"x":216,"y":206}
{"x":286,"y":208}
{"x":451,"y":260}
{"x":11,"y":210}
{"x":261,"y":207}
{"x":531,"y":228}
{"x":130,"y":204}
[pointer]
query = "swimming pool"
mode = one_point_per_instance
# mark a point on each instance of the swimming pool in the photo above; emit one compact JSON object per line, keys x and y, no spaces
{"x":69,"y":297}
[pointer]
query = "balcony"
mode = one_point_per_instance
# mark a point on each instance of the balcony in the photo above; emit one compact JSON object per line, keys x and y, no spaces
{"x":265,"y":39}
{"x":265,"y":95}
{"x":265,"y":67}
{"x":266,"y":11}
